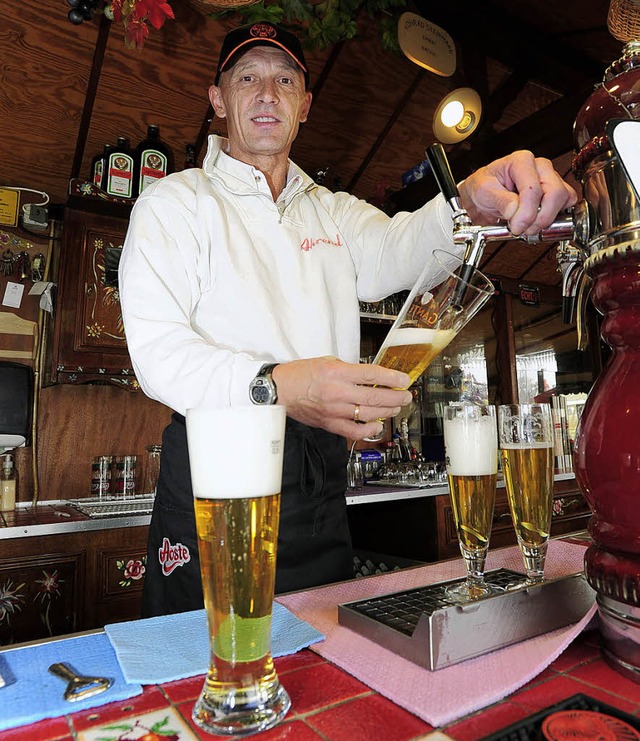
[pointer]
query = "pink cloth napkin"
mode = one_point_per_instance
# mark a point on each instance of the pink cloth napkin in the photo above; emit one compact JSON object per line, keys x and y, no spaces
{"x":445,"y":695}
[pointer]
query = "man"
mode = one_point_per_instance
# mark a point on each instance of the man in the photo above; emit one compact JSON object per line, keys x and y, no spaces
{"x":240,"y":281}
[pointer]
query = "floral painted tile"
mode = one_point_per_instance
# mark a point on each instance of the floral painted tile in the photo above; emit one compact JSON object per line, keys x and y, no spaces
{"x":151,"y":699}
{"x":161,"y":725}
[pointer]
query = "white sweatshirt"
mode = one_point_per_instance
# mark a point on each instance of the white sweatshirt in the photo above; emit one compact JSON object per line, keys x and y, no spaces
{"x":216,"y":279}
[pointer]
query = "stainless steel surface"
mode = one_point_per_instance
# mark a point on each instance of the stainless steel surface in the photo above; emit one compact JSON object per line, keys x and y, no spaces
{"x":406,"y":484}
{"x":620,"y":631}
{"x":423,"y":627}
{"x":615,"y":205}
{"x":379,"y":491}
{"x":114,"y":506}
{"x":63,"y":525}
{"x":78,"y":686}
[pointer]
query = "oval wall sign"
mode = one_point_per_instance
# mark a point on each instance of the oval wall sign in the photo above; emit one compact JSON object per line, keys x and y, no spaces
{"x":426,"y":44}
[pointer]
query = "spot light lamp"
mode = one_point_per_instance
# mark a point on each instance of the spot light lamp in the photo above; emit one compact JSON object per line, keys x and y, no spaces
{"x":457,"y":115}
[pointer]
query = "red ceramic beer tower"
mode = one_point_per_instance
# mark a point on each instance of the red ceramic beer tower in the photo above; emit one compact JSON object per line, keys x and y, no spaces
{"x":607,"y":451}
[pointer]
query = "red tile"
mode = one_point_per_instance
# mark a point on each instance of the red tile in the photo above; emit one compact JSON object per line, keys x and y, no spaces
{"x":151,"y":699}
{"x":547,"y":693}
{"x":486,"y":722}
{"x":543,"y":676}
{"x":367,"y":718}
{"x":295,"y":730}
{"x":184,"y":689}
{"x":578,"y":652}
{"x":320,"y":686}
{"x":291,"y":728}
{"x":560,"y":688}
{"x":44,"y":730}
{"x":297,"y":661}
{"x":601,"y":675}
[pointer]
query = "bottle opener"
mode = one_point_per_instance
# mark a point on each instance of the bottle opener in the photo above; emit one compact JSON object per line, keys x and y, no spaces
{"x":79,"y":687}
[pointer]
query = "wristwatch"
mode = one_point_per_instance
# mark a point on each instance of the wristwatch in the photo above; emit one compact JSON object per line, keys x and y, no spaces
{"x":263,"y":390}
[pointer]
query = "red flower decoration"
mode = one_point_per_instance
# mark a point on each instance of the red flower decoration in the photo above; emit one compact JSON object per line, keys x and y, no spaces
{"x":134,"y":569}
{"x":135,"y":14}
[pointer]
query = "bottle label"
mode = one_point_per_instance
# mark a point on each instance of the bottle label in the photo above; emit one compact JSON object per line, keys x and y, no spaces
{"x":120,"y":175}
{"x":97,"y":174}
{"x":100,"y":487}
{"x":153,"y":166}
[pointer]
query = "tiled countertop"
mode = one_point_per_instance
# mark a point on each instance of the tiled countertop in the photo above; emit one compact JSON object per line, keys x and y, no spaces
{"x":328,"y":704}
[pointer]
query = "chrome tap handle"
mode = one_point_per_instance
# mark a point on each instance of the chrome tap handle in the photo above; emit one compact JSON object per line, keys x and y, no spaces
{"x":575,"y":225}
{"x":570,"y":260}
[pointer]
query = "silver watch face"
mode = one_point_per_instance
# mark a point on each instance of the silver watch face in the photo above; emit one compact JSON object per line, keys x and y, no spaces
{"x":261,"y":393}
{"x":262,"y":390}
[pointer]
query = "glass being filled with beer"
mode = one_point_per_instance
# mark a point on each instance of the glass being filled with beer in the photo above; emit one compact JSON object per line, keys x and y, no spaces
{"x":236,"y":488}
{"x":431,"y":317}
{"x":526,"y":447}
{"x":471,"y":450}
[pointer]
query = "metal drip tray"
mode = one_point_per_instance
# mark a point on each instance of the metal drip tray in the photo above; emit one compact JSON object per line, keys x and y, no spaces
{"x":113,"y":506}
{"x":422,"y":626}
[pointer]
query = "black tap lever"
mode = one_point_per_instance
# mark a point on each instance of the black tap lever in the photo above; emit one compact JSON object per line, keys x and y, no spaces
{"x":474,"y":243}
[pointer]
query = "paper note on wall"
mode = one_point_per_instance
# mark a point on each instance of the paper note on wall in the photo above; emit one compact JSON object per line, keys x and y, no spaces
{"x":13,"y":295}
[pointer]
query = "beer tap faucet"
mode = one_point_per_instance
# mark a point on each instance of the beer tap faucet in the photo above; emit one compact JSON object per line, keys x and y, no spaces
{"x":463,"y":229}
{"x":474,"y":238}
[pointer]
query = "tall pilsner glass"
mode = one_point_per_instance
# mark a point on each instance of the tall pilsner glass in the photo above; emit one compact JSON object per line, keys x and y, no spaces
{"x":471,"y":449}
{"x":431,"y":317}
{"x":236,"y":470}
{"x":526,"y":445}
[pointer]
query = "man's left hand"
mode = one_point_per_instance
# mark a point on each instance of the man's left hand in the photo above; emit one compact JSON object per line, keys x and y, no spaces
{"x":521,"y":189}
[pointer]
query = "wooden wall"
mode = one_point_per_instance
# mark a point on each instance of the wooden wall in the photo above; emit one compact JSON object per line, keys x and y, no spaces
{"x":76,"y":423}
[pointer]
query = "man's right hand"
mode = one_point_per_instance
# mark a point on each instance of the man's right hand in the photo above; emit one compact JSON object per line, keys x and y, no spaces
{"x":325,"y":392}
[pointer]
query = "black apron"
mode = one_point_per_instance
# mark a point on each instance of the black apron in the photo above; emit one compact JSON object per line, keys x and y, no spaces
{"x":314,"y":543}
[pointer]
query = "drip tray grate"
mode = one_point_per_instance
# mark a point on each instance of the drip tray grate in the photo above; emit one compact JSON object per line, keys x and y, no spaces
{"x":421,"y":625}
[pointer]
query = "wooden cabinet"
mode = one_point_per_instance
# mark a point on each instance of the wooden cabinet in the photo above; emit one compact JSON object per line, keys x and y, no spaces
{"x":571,"y":513}
{"x":423,"y":529}
{"x":89,"y":341}
{"x":59,"y":584}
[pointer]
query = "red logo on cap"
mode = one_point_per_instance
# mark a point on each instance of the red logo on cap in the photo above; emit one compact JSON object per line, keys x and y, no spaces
{"x":262,"y":31}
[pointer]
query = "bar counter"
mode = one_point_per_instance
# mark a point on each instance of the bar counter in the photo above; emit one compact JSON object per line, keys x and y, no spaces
{"x":55,"y":517}
{"x":330,"y":704}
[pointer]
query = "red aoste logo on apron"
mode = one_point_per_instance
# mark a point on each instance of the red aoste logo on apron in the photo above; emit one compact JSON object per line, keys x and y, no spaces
{"x":172,"y":556}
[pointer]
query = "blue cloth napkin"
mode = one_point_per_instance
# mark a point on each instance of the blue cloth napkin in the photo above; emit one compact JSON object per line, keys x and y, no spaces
{"x":161,"y":649}
{"x":36,"y":693}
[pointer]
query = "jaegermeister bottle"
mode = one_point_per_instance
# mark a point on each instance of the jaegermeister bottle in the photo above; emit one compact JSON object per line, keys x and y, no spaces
{"x":118,"y":175}
{"x":153,"y":159}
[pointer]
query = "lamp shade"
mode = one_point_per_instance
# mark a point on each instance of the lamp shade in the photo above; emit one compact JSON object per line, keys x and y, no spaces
{"x":457,"y":115}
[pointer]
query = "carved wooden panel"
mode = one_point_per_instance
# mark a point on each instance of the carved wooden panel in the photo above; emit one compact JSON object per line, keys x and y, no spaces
{"x":58,"y":584}
{"x":119,"y":562}
{"x":40,"y":596}
{"x":89,"y":341}
{"x":121,"y":570}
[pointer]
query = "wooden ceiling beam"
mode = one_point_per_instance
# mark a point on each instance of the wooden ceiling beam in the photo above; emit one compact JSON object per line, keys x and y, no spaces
{"x":387,"y":128}
{"x":90,"y":96}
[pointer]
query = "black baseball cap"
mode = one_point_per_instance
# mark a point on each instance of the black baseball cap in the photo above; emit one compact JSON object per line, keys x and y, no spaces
{"x":263,"y":33}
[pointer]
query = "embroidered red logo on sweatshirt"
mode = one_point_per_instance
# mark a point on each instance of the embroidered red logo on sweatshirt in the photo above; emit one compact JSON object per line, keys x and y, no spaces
{"x":172,"y":556}
{"x":309,"y":243}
